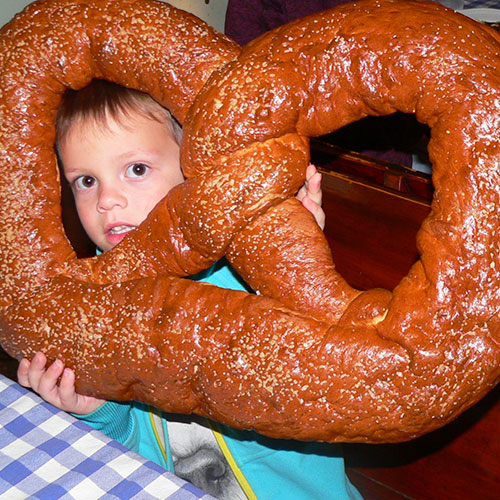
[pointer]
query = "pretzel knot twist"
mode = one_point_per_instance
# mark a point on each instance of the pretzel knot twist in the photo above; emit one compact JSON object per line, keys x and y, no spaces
{"x":309,"y":357}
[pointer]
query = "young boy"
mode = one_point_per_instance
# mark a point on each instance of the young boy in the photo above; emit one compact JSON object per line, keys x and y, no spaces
{"x":120,"y":153}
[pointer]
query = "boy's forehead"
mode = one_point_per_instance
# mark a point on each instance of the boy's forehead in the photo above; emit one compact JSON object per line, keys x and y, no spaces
{"x":112,"y":122}
{"x":115,"y":135}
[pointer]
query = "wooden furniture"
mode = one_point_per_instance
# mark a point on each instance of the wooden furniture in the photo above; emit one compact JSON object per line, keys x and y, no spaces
{"x":373,"y":212}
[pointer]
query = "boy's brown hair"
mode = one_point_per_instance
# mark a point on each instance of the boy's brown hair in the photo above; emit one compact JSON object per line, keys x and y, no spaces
{"x":102,"y":99}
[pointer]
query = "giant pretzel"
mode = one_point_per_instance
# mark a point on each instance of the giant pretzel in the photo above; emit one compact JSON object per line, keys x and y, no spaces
{"x":307,"y":357}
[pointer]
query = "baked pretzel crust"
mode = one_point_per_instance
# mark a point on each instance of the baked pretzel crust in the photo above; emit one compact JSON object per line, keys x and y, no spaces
{"x":308,"y":358}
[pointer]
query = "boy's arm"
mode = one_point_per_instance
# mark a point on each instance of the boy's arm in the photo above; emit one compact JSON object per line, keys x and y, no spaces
{"x":113,"y":419}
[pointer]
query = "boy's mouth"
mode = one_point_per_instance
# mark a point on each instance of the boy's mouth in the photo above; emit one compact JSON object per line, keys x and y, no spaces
{"x":115,"y":233}
{"x":121,"y":229}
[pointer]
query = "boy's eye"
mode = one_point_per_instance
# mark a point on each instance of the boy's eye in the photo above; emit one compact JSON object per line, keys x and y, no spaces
{"x":84,"y":182}
{"x":137,"y":170}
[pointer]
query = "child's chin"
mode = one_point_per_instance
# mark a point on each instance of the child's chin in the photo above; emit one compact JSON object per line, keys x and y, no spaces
{"x":113,"y":239}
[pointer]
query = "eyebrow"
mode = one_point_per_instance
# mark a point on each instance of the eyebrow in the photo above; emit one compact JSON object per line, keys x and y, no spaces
{"x":136,"y":152}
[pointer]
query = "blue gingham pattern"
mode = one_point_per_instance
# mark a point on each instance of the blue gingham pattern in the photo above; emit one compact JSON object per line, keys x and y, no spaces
{"x":46,"y":454}
{"x":487,"y":4}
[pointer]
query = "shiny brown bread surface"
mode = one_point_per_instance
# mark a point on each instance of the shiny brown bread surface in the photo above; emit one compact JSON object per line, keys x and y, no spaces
{"x":309,"y":357}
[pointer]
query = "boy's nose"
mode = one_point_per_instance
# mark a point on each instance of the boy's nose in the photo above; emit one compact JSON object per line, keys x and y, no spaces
{"x":110,"y":198}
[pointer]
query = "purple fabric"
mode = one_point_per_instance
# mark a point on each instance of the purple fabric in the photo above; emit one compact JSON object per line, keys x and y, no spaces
{"x":386,"y":139}
{"x":247,"y":19}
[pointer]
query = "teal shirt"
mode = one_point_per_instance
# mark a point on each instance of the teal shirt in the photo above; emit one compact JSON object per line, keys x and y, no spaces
{"x":267,"y":469}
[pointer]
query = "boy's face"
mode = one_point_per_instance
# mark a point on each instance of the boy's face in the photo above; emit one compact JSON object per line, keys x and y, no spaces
{"x":119,"y":173}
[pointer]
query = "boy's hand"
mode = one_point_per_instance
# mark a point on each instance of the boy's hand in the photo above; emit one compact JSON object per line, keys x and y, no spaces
{"x":310,"y":195}
{"x":44,"y":381}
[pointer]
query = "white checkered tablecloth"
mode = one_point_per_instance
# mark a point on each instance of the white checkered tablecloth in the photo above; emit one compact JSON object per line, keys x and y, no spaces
{"x":487,"y":4}
{"x":46,"y":454}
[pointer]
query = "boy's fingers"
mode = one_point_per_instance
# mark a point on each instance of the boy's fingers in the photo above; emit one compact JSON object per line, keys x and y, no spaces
{"x":302,"y":192}
{"x":71,"y":400}
{"x":67,"y":394}
{"x":67,"y":385}
{"x":310,"y":171}
{"x":314,"y":183}
{"x":22,"y":372}
{"x":36,"y":370}
{"x":48,"y":381}
{"x":55,"y":370}
{"x":314,"y":191}
{"x":38,"y":362}
{"x":316,"y":211}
